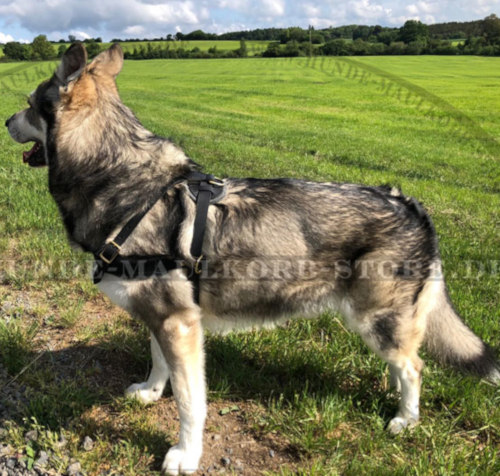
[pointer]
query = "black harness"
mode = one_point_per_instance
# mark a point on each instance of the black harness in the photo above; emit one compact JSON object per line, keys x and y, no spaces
{"x":204,"y":189}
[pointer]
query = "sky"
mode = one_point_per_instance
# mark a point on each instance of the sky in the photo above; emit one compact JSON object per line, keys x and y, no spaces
{"x":22,"y":20}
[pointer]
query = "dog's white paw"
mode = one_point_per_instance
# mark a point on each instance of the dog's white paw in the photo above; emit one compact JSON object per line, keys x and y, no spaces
{"x":179,"y":461}
{"x":144,"y":392}
{"x":398,"y":424}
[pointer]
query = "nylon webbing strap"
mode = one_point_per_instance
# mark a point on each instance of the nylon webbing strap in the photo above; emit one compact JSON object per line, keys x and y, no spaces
{"x":111,"y":249}
{"x":200,"y":221}
{"x":108,"y":260}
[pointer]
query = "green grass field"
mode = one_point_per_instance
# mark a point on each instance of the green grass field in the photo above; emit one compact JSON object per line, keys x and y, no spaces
{"x":225,"y":45}
{"x":312,"y":392}
{"x":253,"y":46}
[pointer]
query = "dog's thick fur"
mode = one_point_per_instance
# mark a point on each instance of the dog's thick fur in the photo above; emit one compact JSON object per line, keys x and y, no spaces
{"x":276,"y":248}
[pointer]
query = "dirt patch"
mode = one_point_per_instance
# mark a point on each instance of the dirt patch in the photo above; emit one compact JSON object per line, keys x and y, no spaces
{"x":233,"y":443}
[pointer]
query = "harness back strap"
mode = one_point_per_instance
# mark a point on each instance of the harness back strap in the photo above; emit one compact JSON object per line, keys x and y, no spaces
{"x":208,"y":187}
{"x":204,"y":189}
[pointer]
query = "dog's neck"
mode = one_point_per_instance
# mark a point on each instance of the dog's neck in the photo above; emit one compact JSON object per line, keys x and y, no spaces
{"x":101,"y":172}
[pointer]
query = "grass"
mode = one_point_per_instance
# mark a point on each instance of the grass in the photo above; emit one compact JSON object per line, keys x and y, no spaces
{"x":253,"y":46}
{"x":427,"y":124}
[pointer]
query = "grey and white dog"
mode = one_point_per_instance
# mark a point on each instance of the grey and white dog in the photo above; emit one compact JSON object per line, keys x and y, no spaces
{"x":276,"y":248}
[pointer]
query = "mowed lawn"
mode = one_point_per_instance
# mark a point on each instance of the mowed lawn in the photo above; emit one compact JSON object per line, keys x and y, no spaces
{"x":312,"y":393}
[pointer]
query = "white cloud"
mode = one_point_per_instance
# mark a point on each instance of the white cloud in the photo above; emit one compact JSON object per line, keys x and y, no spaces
{"x":424,"y":9}
{"x":319,"y":23}
{"x":311,"y":9}
{"x":369,"y":12}
{"x":233,"y":4}
{"x":134,"y":30}
{"x":5,"y":38}
{"x":79,"y":35}
{"x":273,"y":8}
{"x":485,"y":7}
{"x":155,"y":18}
{"x":412,"y":9}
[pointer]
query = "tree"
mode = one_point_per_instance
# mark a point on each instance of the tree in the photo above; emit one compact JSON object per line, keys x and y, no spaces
{"x":294,"y":34}
{"x":93,"y":48}
{"x":273,"y":50}
{"x":491,"y":29}
{"x":414,"y":30}
{"x":338,"y":47}
{"x":42,"y":48}
{"x":292,"y":49}
{"x":362,"y":32}
{"x":62,"y":49}
{"x":17,"y":51}
{"x":71,"y":38}
{"x":242,"y":50}
{"x":387,"y":36}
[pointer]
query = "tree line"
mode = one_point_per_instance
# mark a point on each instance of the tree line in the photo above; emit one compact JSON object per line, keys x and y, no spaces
{"x":42,"y":49}
{"x":482,"y":37}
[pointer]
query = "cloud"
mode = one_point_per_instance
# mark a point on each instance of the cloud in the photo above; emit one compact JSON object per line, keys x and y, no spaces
{"x":156,"y":18}
{"x":369,"y":12}
{"x":485,"y":7}
{"x":5,"y":38}
{"x":273,"y":8}
{"x":135,"y":30}
{"x":117,"y":16}
{"x":80,"y":35}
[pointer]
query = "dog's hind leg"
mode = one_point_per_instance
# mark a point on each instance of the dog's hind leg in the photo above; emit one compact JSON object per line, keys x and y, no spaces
{"x":394,"y":381}
{"x":151,"y":390}
{"x":396,"y":337}
{"x":180,"y":337}
{"x":408,"y":370}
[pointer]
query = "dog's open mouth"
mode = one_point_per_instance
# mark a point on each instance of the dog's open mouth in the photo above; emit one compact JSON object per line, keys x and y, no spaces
{"x":35,"y":157}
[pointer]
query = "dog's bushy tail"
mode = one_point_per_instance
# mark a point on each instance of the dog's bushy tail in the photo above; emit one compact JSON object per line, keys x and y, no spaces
{"x":451,"y":341}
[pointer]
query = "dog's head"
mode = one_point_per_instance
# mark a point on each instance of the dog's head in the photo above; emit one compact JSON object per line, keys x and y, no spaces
{"x":74,"y":90}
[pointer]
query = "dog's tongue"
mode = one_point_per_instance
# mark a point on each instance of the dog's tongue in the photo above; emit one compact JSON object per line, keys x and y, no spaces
{"x":29,"y":153}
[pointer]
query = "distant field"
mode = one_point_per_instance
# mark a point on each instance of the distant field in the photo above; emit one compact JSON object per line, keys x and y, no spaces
{"x":252,"y":46}
{"x":312,"y":393}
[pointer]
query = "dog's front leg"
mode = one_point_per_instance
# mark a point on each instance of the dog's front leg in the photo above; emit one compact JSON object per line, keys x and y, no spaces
{"x":181,"y":340}
{"x":152,"y":390}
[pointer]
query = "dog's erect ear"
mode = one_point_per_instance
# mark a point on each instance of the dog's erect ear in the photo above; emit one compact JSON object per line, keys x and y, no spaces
{"x":73,"y":63}
{"x":109,"y":62}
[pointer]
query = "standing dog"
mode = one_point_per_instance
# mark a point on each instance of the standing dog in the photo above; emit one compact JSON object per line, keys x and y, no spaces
{"x":275,"y":248}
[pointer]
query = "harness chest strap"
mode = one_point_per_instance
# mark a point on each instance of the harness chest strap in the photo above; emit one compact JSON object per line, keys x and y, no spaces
{"x":204,"y":189}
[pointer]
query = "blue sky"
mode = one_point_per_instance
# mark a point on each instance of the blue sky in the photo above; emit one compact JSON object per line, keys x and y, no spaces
{"x":21,"y":20}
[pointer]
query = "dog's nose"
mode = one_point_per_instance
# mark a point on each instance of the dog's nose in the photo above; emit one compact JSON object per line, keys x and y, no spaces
{"x":7,"y":121}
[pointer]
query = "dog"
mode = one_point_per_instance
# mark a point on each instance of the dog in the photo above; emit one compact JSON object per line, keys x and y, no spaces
{"x":275,"y":249}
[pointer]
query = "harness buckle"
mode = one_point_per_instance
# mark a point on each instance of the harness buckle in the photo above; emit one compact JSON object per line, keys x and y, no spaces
{"x":217,"y":182}
{"x":114,"y":252}
{"x":197,"y":265}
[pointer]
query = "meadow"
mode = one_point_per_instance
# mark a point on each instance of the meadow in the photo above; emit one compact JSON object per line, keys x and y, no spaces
{"x":253,"y":46}
{"x":309,"y":399}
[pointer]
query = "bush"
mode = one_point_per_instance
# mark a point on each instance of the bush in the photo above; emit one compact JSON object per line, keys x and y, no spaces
{"x":336,"y":48}
{"x":273,"y":50}
{"x":17,"y":51}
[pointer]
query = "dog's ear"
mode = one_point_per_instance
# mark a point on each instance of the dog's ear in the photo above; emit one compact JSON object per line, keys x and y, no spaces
{"x":108,"y":62}
{"x":72,"y":64}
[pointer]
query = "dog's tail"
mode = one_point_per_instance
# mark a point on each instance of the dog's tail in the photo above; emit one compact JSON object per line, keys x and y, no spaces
{"x":448,"y":338}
